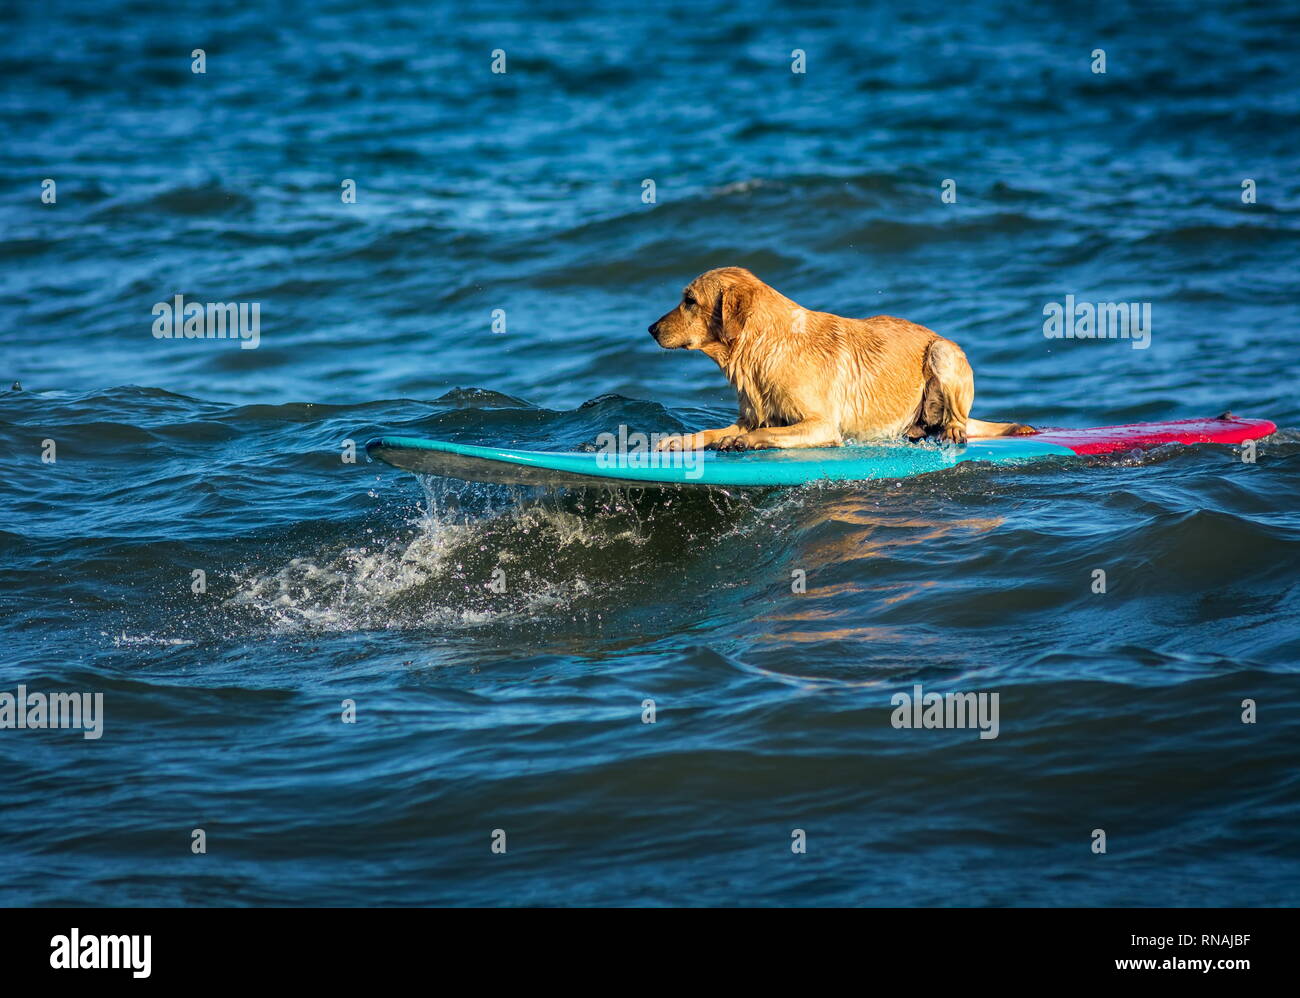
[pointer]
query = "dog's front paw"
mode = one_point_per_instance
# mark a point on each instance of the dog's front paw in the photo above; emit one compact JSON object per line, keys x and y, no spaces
{"x":736,"y":443}
{"x":953,"y":435}
{"x":674,"y":442}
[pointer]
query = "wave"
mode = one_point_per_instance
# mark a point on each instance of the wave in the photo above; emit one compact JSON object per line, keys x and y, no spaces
{"x":483,"y":554}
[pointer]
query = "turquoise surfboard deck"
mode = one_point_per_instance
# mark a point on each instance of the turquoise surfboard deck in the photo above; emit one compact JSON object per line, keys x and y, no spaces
{"x":752,"y":469}
{"x":777,"y":468}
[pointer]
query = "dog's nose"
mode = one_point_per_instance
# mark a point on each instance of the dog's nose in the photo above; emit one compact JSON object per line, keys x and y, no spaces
{"x":654,"y":330}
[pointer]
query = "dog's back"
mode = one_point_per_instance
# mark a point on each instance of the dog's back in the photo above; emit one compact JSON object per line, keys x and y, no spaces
{"x":866,"y":375}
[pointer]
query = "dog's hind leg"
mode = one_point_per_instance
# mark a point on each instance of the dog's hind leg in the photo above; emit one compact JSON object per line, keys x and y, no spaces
{"x":983,"y":428}
{"x":949,"y":392}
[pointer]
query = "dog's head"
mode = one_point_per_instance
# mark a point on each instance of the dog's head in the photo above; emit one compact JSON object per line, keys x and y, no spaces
{"x":713,"y":310}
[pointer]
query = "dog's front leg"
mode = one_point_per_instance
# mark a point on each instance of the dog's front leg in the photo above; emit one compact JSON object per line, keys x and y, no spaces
{"x":697,"y":441}
{"x":809,"y":433}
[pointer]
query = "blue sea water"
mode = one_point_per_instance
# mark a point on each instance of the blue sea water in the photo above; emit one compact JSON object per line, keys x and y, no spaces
{"x":476,"y":710}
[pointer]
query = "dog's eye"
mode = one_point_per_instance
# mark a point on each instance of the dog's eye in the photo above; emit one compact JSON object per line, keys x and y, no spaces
{"x":689,"y":301}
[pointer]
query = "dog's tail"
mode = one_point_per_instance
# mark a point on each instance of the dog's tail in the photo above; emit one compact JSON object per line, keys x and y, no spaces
{"x":983,"y":428}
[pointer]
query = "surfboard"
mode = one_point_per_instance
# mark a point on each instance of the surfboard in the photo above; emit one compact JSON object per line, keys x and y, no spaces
{"x":629,"y":465}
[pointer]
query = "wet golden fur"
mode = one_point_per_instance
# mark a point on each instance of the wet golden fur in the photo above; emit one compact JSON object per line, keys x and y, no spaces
{"x":813,"y":379}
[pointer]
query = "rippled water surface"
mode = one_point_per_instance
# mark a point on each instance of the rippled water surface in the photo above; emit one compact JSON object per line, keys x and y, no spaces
{"x":522,"y":710}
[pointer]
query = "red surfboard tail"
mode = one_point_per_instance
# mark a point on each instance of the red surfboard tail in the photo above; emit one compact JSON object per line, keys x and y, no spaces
{"x":1140,"y":436}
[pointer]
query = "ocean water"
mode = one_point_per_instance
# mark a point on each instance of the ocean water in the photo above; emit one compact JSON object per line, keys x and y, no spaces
{"x":521,"y":196}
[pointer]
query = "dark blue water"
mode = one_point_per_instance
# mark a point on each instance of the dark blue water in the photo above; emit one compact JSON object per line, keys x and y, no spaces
{"x":479,"y":710}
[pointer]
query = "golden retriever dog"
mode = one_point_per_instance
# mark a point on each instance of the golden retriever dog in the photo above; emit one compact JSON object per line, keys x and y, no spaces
{"x":813,"y":379}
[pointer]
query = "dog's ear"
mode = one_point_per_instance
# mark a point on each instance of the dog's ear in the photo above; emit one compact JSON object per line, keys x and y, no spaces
{"x":737,"y":302}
